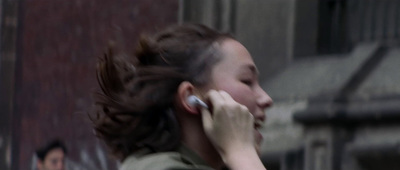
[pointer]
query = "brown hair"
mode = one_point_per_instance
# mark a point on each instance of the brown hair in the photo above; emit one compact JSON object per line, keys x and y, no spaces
{"x":42,"y":152}
{"x":134,"y":108}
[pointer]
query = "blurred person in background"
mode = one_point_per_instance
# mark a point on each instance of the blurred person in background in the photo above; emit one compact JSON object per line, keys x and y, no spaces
{"x":51,"y":156}
{"x":143,"y":113}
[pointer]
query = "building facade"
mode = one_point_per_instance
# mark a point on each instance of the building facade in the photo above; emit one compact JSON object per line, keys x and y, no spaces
{"x":332,"y":68}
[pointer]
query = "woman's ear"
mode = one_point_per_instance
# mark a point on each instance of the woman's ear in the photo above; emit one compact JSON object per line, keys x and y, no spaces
{"x":185,"y":90}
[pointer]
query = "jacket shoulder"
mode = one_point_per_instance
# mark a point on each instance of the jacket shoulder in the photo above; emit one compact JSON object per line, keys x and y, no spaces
{"x":159,"y":161}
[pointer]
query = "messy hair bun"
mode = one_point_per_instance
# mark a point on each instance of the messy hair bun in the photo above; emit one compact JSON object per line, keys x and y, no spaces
{"x":134,"y":110}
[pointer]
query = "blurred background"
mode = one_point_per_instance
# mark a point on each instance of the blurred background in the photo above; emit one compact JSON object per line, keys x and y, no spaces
{"x":331,"y":66}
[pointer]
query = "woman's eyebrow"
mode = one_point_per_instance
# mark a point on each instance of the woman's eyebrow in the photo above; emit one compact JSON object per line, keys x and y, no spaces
{"x":249,"y":69}
{"x":252,"y":68}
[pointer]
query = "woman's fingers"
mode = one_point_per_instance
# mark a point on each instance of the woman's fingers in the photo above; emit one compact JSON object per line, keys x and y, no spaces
{"x":227,"y":98}
{"x":207,"y":120}
{"x":215,"y":98}
{"x":230,"y":124}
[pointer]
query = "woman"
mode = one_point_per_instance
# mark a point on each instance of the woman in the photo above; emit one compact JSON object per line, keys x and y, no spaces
{"x":144,"y":116}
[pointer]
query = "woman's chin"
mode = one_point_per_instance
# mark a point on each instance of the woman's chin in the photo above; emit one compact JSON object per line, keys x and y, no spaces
{"x":258,"y":148}
{"x":257,"y":141}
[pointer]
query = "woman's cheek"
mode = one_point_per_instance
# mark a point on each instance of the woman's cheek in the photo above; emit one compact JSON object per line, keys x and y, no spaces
{"x":243,"y":97}
{"x":241,"y":93}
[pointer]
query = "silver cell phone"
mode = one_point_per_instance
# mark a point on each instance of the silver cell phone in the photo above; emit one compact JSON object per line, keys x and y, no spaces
{"x":195,"y":101}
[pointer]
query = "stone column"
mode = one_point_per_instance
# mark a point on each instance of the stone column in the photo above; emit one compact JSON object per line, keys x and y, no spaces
{"x":8,"y":50}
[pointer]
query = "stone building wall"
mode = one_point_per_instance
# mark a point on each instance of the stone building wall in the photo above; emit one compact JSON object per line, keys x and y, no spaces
{"x":331,"y":67}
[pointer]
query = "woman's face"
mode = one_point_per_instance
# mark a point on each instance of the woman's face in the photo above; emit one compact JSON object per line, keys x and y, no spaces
{"x":237,"y":74}
{"x":54,"y":160}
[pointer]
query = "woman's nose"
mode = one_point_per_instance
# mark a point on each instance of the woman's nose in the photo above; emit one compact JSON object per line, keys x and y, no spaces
{"x":60,"y":166}
{"x":264,"y":100}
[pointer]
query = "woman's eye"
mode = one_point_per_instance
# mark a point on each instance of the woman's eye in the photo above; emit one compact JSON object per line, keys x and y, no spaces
{"x":247,"y":82}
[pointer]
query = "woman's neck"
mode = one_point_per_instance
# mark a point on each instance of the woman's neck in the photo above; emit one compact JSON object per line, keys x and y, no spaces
{"x":193,"y":137}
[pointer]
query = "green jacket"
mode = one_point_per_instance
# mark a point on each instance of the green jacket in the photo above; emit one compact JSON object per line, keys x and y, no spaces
{"x":183,"y":159}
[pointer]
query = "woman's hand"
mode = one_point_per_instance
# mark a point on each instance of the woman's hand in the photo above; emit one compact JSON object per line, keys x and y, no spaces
{"x":230,"y":128}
